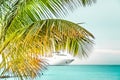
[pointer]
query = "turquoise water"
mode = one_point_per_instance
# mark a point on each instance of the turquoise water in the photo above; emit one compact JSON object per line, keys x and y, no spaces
{"x":81,"y":73}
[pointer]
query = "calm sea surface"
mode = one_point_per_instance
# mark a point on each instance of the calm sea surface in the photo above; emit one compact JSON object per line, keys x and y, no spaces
{"x":81,"y":73}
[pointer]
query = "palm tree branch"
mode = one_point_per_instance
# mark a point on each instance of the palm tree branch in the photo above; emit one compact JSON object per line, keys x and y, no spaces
{"x":58,"y":34}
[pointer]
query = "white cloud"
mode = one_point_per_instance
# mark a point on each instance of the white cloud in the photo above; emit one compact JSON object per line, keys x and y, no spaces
{"x":106,"y":51}
{"x":101,"y":56}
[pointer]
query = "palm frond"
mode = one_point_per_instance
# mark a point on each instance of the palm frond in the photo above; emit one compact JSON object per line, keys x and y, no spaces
{"x":23,"y":40}
{"x":22,"y":54}
{"x":39,"y":9}
{"x":21,"y":13}
{"x":47,"y":36}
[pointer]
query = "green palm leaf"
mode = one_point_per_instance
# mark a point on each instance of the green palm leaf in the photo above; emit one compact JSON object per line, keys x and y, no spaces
{"x":41,"y":39}
{"x":25,"y":12}
{"x":27,"y":32}
{"x":59,"y":34}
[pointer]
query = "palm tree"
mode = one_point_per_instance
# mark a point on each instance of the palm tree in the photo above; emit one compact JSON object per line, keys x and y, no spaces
{"x":28,"y":30}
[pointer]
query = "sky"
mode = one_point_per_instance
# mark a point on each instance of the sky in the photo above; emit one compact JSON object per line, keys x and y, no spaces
{"x":103,"y":20}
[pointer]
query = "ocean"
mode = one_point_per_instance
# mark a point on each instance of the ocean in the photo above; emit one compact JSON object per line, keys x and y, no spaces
{"x":81,"y":72}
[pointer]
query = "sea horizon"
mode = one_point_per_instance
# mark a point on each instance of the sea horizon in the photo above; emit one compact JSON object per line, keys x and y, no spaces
{"x":79,"y":72}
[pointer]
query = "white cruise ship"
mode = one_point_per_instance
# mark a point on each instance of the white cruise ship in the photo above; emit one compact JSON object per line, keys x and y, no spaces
{"x":59,"y":59}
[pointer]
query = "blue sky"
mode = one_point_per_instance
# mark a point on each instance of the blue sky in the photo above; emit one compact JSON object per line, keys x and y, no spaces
{"x":103,"y":20}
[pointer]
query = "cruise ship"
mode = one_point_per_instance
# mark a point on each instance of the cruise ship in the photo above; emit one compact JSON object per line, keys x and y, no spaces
{"x":59,"y":59}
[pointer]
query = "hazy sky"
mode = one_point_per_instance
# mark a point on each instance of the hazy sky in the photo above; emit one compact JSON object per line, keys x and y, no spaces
{"x":103,"y":20}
